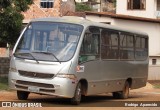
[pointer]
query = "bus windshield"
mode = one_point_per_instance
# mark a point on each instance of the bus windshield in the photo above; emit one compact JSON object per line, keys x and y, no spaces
{"x":47,"y":41}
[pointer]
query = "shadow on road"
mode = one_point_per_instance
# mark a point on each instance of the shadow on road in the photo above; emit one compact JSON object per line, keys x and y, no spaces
{"x":86,"y":101}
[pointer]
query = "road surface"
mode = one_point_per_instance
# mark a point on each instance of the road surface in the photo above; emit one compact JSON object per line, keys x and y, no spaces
{"x":97,"y":102}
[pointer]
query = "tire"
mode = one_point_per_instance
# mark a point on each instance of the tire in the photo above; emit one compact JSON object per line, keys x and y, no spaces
{"x":77,"y":95}
{"x":124,"y":94}
{"x":22,"y":95}
{"x":116,"y":95}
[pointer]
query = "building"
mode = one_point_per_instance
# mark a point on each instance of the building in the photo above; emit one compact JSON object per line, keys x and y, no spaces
{"x":141,"y":8}
{"x":99,"y":5}
{"x":141,"y":16}
{"x":48,"y":8}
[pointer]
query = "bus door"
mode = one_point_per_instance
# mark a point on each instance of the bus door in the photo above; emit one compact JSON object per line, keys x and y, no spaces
{"x":89,"y":58}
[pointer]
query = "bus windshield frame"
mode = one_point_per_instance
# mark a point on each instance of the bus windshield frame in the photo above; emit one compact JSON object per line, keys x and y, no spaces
{"x":49,"y":41}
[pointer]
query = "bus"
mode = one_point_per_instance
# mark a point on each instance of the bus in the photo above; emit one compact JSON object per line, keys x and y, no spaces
{"x":71,"y":57}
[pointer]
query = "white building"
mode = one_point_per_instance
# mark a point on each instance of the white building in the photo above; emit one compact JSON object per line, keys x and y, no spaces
{"x":142,"y":17}
{"x":141,"y":8}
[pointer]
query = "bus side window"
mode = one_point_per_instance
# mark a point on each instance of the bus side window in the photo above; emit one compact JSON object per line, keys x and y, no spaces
{"x":126,"y":46}
{"x":90,"y":46}
{"x":109,"y":46}
{"x":141,"y":51}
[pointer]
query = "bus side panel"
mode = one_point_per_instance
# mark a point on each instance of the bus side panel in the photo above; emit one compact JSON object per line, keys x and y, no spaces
{"x":92,"y":73}
{"x":142,"y":75}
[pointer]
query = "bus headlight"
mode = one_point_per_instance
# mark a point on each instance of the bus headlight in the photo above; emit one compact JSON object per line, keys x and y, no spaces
{"x":70,"y":76}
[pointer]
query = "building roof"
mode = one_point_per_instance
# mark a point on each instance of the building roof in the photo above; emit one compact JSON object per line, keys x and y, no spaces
{"x":120,"y":16}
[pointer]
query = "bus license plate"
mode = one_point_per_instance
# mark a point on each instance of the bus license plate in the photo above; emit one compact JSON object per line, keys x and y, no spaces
{"x":33,"y":89}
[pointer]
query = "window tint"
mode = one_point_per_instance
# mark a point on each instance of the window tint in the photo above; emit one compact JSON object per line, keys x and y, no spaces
{"x":141,"y":51}
{"x":126,"y":46}
{"x":109,"y":44}
{"x":90,"y":45}
{"x":26,"y":40}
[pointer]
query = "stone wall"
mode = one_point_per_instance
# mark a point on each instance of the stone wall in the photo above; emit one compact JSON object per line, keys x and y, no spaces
{"x":4,"y":66}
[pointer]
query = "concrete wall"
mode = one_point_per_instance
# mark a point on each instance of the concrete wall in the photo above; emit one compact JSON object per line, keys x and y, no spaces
{"x":154,"y":69}
{"x":149,"y":12}
{"x":154,"y":72}
{"x":4,"y":66}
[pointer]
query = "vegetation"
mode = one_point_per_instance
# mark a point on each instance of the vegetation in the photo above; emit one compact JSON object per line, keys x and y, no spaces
{"x":82,"y":7}
{"x":157,"y":86}
{"x":11,"y":19}
{"x":3,"y":83}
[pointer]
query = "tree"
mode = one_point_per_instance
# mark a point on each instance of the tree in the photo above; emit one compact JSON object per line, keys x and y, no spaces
{"x":11,"y":19}
{"x":82,"y":7}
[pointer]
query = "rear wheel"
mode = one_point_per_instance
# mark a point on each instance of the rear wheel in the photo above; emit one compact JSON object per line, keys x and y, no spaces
{"x":124,"y":93}
{"x":116,"y":95}
{"x":77,"y":96}
{"x":22,"y":95}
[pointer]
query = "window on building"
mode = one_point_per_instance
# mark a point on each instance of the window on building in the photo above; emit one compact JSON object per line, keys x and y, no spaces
{"x":154,"y":61}
{"x":136,"y":4}
{"x":47,"y":3}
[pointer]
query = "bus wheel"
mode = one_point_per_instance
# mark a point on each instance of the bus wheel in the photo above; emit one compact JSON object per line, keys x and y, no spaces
{"x":125,"y":92}
{"x":77,"y":96}
{"x":22,"y":95}
{"x":116,"y":95}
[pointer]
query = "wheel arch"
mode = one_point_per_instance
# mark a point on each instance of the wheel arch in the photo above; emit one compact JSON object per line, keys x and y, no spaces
{"x":84,"y":85}
{"x":129,"y":80}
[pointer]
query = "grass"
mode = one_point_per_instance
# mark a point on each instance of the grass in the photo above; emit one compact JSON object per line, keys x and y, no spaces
{"x":157,"y":86}
{"x":155,"y":83}
{"x":4,"y":83}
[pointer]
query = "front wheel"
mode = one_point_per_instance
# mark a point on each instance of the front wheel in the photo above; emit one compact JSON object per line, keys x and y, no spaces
{"x":22,"y":95}
{"x":77,"y":96}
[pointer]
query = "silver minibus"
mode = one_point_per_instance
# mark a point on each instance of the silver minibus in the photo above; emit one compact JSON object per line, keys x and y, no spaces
{"x":72,"y":57}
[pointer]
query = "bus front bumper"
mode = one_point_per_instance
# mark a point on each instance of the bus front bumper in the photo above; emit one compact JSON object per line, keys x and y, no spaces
{"x":57,"y":86}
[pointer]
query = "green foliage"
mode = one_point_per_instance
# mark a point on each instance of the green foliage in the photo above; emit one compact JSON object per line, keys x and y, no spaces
{"x":82,"y":7}
{"x":11,"y":19}
{"x":3,"y":83}
{"x":114,"y":2}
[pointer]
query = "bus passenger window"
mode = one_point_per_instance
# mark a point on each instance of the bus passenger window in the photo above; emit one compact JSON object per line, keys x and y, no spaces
{"x":90,"y":46}
{"x":109,"y":46}
{"x":141,"y":51}
{"x":126,"y":46}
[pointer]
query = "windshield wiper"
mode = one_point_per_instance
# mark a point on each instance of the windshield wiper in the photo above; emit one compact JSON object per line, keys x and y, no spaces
{"x":27,"y":53}
{"x":49,"y":54}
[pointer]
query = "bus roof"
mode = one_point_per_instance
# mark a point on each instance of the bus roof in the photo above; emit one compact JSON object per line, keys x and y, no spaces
{"x":85,"y":23}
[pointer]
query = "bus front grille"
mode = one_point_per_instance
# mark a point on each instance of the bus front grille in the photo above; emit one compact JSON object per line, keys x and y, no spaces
{"x":35,"y":74}
{"x":41,"y":87}
{"x":26,"y":83}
